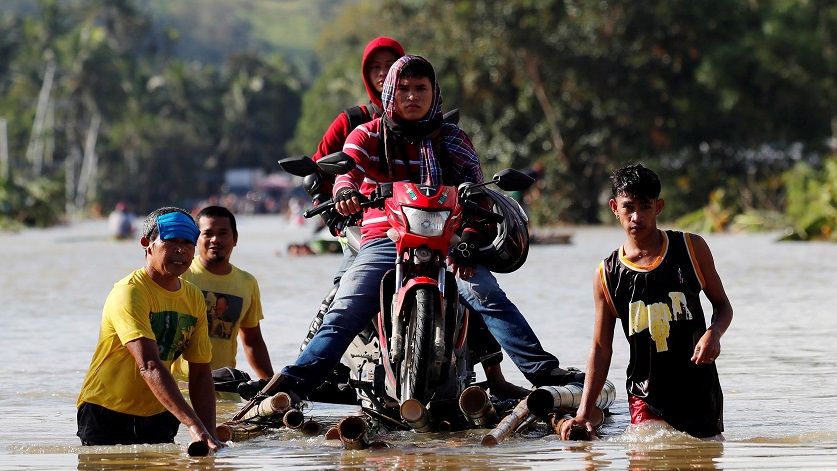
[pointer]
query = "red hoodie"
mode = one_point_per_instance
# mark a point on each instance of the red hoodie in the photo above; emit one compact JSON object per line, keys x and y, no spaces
{"x":336,"y":134}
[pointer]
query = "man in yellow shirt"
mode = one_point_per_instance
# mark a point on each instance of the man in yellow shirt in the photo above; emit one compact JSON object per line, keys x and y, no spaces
{"x":232,"y":299}
{"x":151,"y":318}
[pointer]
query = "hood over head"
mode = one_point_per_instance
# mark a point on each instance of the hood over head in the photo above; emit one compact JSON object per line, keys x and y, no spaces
{"x":375,"y":44}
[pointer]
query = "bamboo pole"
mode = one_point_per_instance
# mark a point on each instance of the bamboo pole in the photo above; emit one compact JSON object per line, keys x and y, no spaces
{"x":238,"y":432}
{"x":557,"y":420}
{"x":547,"y":399}
{"x":268,"y":389}
{"x":507,"y":425}
{"x":414,"y":413}
{"x":352,"y":430}
{"x":199,"y":448}
{"x":279,"y":403}
{"x":477,"y":407}
{"x":311,"y":428}
{"x":293,"y":418}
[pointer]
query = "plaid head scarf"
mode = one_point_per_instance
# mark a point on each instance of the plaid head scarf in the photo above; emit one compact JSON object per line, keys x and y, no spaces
{"x":425,"y":130}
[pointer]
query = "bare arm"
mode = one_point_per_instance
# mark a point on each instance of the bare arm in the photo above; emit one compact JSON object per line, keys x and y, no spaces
{"x":202,"y":394}
{"x":598,"y":362}
{"x":709,"y":345}
{"x":256,"y":351}
{"x":163,"y":385}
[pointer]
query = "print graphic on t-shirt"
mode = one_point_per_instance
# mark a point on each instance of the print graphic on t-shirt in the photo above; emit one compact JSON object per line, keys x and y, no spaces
{"x":222,"y":313}
{"x":172,"y":331}
{"x":657,"y":317}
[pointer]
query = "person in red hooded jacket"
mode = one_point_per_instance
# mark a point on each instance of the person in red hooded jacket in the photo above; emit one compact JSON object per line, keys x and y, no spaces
{"x":378,"y":56}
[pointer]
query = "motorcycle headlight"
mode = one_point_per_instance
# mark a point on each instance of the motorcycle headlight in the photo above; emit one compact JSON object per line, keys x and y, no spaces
{"x":426,"y":223}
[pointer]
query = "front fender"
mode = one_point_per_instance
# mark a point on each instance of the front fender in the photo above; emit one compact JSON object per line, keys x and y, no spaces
{"x":410,"y":287}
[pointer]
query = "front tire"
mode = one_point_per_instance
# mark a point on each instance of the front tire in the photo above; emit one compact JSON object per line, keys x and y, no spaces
{"x":418,"y":347}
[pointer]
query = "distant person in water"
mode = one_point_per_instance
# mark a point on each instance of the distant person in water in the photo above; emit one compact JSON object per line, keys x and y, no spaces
{"x":121,"y":222}
{"x":151,"y":318}
{"x":652,"y":285}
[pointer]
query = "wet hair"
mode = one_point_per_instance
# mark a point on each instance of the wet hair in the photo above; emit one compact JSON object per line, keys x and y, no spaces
{"x":418,"y":69}
{"x":637,"y":181}
{"x":149,"y":226}
{"x":218,"y":212}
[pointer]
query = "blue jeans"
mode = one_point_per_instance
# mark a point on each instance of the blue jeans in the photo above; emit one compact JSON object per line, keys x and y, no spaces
{"x":345,"y":263}
{"x":483,"y":295}
{"x":358,"y":300}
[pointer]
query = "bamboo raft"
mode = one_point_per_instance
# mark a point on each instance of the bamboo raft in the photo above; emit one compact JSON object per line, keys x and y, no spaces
{"x":548,"y":405}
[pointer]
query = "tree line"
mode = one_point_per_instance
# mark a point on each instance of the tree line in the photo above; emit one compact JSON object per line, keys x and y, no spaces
{"x":732,"y":102}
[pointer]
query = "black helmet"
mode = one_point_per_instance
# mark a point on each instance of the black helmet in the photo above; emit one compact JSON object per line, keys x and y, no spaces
{"x":508,"y":250}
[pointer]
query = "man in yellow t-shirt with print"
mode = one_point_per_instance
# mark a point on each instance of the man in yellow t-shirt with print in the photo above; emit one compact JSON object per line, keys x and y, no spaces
{"x":150,"y":319}
{"x":233,"y":303}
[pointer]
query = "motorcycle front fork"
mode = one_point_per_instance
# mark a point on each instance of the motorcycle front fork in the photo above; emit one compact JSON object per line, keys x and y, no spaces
{"x":396,"y":351}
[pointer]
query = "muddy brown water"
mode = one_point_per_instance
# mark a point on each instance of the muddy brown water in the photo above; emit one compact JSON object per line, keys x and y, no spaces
{"x":778,"y":367}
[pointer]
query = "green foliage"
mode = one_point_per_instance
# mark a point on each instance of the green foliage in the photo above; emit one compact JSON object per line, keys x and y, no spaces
{"x":36,"y":203}
{"x":720,"y":97}
{"x":336,"y":89}
{"x":169,"y":128}
{"x":812,"y":200}
{"x":685,"y":87}
{"x":340,"y":84}
{"x":209,"y":31}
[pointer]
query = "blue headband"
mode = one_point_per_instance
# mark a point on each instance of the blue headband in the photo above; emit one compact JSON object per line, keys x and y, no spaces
{"x":176,"y":225}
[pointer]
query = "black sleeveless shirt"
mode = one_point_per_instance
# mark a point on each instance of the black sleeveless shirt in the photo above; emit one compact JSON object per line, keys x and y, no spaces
{"x":662,"y":318}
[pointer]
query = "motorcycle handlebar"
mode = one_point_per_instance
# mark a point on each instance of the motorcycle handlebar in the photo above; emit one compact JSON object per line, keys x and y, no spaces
{"x":377,"y":200}
{"x":328,"y":204}
{"x":324,"y":206}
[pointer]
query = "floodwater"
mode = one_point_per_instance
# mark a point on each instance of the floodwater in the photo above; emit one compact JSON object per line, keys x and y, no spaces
{"x":778,"y":367}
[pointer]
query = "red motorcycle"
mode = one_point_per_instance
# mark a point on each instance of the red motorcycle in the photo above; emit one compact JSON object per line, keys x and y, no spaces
{"x":415,"y":351}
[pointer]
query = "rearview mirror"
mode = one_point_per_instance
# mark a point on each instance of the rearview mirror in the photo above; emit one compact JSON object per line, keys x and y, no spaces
{"x":512,"y":180}
{"x":299,"y":165}
{"x":338,"y":163}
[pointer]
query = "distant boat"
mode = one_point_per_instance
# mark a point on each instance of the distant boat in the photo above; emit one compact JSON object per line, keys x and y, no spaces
{"x":550,"y":235}
{"x":325,"y":244}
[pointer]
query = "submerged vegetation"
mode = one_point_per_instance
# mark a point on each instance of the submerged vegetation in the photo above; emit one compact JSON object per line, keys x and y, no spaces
{"x":731,"y":101}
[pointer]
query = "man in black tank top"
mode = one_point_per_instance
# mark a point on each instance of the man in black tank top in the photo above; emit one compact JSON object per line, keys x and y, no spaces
{"x":651,"y":284}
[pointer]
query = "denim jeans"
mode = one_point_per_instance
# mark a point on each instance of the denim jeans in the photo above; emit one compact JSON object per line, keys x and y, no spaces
{"x":483,"y":295}
{"x":358,"y":300}
{"x":345,"y":263}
